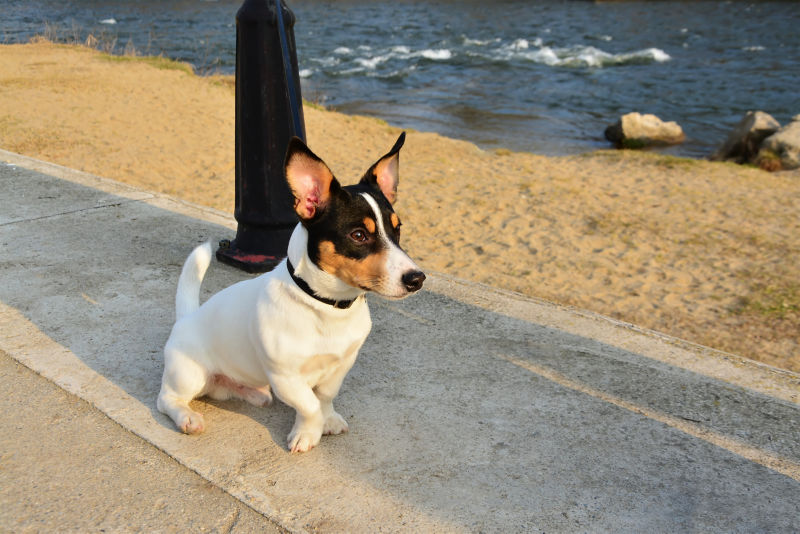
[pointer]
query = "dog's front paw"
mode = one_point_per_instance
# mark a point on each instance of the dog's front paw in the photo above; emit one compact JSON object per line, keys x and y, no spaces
{"x":334,"y":424}
{"x":303,"y":440}
{"x":192,"y":423}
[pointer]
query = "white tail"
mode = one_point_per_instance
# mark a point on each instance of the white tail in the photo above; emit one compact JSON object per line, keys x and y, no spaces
{"x":187,"y":299}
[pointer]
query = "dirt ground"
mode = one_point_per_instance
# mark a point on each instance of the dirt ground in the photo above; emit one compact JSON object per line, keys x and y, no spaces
{"x":707,"y":252}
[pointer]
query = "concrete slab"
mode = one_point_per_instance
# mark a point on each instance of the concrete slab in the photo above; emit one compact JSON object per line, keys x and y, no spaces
{"x":66,"y":467}
{"x":469,"y":408}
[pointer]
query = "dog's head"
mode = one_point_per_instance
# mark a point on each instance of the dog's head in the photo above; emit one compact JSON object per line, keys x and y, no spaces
{"x":353,"y":231}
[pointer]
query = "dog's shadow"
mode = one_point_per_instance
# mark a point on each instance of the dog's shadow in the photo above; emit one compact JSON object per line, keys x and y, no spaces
{"x":228,"y":417}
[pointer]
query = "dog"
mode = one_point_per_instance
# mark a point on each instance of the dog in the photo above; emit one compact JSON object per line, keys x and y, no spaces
{"x":296,"y":330}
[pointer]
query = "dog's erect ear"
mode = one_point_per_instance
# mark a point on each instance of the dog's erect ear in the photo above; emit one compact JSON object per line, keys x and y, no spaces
{"x":386,"y":172}
{"x":310,"y":180}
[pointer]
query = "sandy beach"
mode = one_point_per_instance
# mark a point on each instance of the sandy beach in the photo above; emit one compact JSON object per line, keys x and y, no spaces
{"x":707,"y":252}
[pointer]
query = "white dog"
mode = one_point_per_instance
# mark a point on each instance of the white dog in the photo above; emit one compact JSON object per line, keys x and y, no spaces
{"x":295,"y":331}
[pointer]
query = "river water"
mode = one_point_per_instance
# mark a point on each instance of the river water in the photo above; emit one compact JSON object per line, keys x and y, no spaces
{"x":544,"y":77}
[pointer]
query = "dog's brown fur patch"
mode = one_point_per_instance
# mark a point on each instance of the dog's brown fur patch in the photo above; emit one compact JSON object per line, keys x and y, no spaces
{"x":318,"y":363}
{"x":366,"y":273}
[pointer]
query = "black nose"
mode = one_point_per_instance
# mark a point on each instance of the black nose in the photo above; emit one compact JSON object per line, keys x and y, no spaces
{"x":413,"y":280}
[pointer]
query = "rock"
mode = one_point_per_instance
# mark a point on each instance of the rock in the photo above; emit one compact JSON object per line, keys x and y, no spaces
{"x":745,"y":140}
{"x":635,"y":130}
{"x":783,"y":146}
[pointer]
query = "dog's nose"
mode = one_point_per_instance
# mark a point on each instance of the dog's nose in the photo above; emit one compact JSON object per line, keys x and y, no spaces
{"x":413,"y":280}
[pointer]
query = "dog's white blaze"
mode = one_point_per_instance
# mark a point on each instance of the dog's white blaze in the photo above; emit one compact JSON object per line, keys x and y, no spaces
{"x":397,"y":262}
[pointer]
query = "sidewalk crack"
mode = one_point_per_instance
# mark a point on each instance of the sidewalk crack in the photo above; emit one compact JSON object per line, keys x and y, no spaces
{"x":71,"y":212}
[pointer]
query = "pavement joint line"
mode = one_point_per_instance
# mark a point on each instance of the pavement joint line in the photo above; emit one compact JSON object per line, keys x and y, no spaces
{"x":688,"y":426}
{"x":114,"y":204}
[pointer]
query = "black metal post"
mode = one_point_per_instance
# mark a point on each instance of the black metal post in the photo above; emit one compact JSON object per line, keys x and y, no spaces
{"x":269,"y":112}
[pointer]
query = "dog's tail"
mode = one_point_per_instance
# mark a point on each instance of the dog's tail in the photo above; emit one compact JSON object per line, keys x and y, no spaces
{"x":187,"y":299}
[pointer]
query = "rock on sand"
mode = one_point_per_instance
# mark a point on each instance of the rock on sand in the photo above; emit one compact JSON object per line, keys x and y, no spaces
{"x":635,"y":130}
{"x":744,"y":141}
{"x":783,"y":146}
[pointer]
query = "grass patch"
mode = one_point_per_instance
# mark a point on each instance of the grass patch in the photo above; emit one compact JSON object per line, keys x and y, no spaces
{"x":107,"y":44}
{"x":667,"y":161}
{"x":632,"y":144}
{"x":607,"y":153}
{"x":159,"y":62}
{"x":314,"y":105}
{"x":675,"y":162}
{"x":768,"y":160}
{"x":771,"y":301}
{"x":223,"y":80}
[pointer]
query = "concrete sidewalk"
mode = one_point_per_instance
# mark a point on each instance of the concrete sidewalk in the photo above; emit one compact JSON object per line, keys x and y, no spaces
{"x":66,"y":467}
{"x":470,"y":409}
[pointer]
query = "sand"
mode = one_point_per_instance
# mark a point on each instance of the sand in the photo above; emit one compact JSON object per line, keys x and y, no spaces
{"x":707,"y":252}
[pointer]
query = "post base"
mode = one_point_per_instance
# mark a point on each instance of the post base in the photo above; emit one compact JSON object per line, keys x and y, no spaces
{"x":248,"y":261}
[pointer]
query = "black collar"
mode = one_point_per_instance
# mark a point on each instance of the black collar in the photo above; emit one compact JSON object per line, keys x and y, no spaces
{"x":302,"y":284}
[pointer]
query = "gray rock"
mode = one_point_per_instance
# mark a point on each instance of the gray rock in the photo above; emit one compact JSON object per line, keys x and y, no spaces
{"x":635,"y":130}
{"x":783,"y":146}
{"x":744,"y":141}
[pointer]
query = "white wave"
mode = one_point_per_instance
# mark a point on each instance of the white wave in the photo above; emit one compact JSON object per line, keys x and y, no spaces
{"x":399,"y":73}
{"x":108,"y":21}
{"x":589,"y":56}
{"x":658,"y":55}
{"x":327,"y":61}
{"x":519,"y":44}
{"x":600,"y":37}
{"x":347,"y":72}
{"x":305,"y":73}
{"x":478,"y":42}
{"x":439,"y":54}
{"x":545,"y":55}
{"x":395,"y":60}
{"x":756,"y":48}
{"x":377,"y":62}
{"x":372,"y":62}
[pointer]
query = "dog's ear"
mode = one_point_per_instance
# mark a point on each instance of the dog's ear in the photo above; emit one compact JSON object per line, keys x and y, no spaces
{"x":310,"y":180}
{"x":385,"y":173}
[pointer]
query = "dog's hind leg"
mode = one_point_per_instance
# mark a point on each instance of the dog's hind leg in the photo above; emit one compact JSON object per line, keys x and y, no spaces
{"x":183,"y":380}
{"x":257,"y":396}
{"x":221,"y":387}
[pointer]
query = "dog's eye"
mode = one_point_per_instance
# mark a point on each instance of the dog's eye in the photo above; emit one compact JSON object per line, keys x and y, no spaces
{"x":359,"y":236}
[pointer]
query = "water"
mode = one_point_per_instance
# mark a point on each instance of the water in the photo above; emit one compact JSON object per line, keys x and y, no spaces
{"x":545,"y":77}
